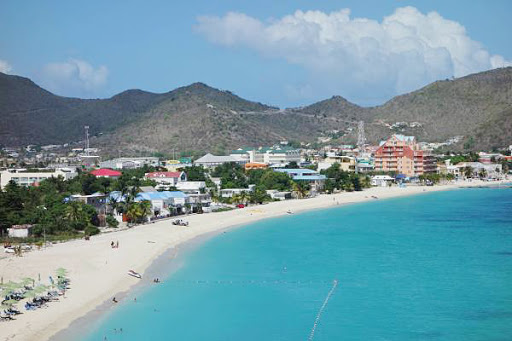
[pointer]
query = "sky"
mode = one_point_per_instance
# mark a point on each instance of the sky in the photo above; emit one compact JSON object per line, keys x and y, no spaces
{"x":283,"y":53}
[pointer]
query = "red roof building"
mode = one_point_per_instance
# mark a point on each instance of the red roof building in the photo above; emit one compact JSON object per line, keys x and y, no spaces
{"x":106,"y":173}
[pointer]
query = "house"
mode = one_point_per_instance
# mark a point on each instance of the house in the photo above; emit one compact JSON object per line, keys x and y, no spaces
{"x":26,"y":177}
{"x":312,"y":177}
{"x":212,"y":161}
{"x":166,"y":178}
{"x":347,"y":163}
{"x":230,"y":192}
{"x":401,"y":154}
{"x":106,"y":173}
{"x":165,"y":202}
{"x":19,"y":231}
{"x":382,"y":180}
{"x":130,"y":162}
{"x":277,"y":195}
{"x":97,"y":200}
{"x":278,"y":155}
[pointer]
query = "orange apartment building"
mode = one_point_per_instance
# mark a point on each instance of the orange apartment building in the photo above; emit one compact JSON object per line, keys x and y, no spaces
{"x":401,"y":154}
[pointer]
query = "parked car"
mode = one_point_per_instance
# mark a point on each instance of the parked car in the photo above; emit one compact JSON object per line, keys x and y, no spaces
{"x":240,"y":205}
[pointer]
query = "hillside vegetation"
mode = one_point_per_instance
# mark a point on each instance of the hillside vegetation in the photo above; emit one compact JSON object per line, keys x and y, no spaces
{"x":198,"y":117}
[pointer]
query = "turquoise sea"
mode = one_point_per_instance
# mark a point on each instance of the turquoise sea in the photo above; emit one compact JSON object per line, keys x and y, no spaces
{"x":434,"y":266}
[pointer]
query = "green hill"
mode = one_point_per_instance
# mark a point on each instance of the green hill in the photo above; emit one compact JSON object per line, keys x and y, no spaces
{"x":198,"y":117}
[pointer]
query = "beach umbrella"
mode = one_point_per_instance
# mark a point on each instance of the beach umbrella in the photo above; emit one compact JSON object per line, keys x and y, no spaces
{"x":27,"y":281}
{"x":40,"y":289}
{"x":9,"y":303}
{"x":61,"y":272}
{"x":30,"y":294}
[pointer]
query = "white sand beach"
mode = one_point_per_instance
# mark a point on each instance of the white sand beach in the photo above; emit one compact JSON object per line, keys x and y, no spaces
{"x":99,"y":272}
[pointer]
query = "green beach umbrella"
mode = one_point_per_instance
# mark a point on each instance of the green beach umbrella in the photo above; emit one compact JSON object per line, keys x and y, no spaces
{"x":40,"y":289}
{"x":10,"y":302}
{"x":61,"y":272}
{"x":30,"y":294}
{"x":27,"y":281}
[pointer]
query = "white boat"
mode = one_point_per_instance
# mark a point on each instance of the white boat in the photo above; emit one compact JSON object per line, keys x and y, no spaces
{"x":134,"y":274}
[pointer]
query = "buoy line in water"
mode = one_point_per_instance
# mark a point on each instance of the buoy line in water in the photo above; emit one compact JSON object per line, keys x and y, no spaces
{"x":230,"y":282}
{"x":320,"y":311}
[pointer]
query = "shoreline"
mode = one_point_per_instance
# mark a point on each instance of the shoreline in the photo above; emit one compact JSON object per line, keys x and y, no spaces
{"x":98,"y":272}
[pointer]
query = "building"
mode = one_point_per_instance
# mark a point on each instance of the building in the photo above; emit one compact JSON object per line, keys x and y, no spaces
{"x":130,"y":162}
{"x":212,"y":161}
{"x":311,"y":177}
{"x":166,"y":178}
{"x":230,"y":192}
{"x":401,"y":154}
{"x":106,"y":173}
{"x":28,"y":177}
{"x":276,"y":155}
{"x":97,"y":200}
{"x":381,"y":180}
{"x":255,"y":165}
{"x":19,"y":231}
{"x":277,"y":195}
{"x":347,"y":163}
{"x":491,"y":170}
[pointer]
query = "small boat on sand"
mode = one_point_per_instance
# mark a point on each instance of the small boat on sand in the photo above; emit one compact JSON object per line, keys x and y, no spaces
{"x":134,"y":274}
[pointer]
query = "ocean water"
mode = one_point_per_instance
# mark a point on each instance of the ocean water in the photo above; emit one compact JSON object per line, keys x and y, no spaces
{"x":435,"y":266}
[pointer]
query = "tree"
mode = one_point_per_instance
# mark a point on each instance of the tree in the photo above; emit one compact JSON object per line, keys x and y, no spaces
{"x":482,"y":173}
{"x":195,"y":173}
{"x":468,"y":172}
{"x":300,"y":189}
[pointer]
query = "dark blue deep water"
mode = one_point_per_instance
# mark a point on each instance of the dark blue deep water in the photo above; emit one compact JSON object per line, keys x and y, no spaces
{"x":427,"y":267}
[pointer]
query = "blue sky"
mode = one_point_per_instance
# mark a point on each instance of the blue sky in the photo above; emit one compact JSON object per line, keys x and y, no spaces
{"x":263,"y":50}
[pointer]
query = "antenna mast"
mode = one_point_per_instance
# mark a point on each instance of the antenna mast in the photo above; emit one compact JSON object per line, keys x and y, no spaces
{"x":86,"y":140}
{"x":361,"y":139}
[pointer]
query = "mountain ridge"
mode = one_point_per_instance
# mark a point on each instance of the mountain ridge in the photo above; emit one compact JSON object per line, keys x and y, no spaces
{"x":200,"y":117}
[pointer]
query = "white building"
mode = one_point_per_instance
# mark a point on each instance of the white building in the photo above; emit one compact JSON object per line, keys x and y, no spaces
{"x":19,"y":231}
{"x":382,"y":180}
{"x":277,"y":155}
{"x":130,"y":162}
{"x":24,"y":177}
{"x":166,"y":178}
{"x":212,"y":161}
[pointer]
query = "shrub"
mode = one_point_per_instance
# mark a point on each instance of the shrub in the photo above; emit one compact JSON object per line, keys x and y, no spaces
{"x":111,"y":221}
{"x":91,"y":230}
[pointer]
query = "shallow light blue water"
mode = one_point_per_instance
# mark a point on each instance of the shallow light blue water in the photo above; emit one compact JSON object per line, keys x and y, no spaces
{"x":428,"y":267}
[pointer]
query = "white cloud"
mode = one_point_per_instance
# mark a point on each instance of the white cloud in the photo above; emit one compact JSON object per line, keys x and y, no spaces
{"x":359,"y":57}
{"x":74,"y":77}
{"x":5,"y":67}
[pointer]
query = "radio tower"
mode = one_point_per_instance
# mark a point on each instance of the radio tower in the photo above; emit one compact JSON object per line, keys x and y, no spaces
{"x":361,"y":139}
{"x":86,"y":140}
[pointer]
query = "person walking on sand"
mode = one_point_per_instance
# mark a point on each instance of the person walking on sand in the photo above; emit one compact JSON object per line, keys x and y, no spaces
{"x":112,"y":244}
{"x":117,"y":244}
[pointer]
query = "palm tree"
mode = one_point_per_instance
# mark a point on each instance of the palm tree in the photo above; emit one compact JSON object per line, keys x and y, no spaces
{"x":244,"y":196}
{"x":468,"y":171}
{"x":236,"y":199}
{"x":366,"y":182}
{"x":300,"y":190}
{"x":74,"y":211}
{"x":482,"y":173}
{"x":133,"y":212}
{"x":145,"y":208}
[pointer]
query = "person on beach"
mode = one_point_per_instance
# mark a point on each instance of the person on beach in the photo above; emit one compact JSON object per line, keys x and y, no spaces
{"x":112,"y":244}
{"x":114,"y":300}
{"x":117,"y":244}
